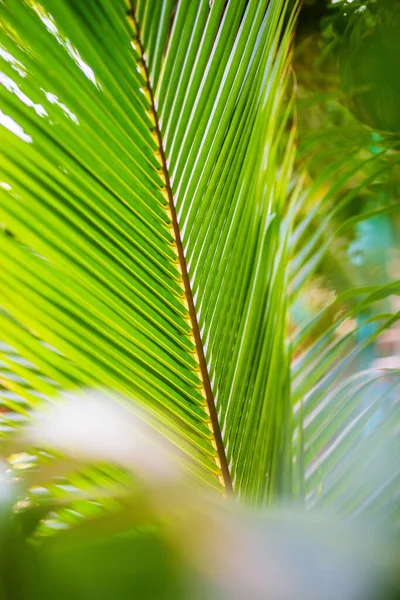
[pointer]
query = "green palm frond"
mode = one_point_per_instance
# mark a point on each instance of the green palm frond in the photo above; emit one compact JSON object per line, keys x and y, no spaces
{"x":346,"y":409}
{"x":157,"y":237}
{"x":148,"y":236}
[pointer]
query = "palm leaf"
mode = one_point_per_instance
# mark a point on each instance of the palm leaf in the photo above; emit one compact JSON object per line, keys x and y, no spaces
{"x":345,"y":419}
{"x":155,"y":242}
{"x":148,"y":234}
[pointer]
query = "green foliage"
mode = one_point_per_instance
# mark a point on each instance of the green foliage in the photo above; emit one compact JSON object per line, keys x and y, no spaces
{"x":345,"y":297}
{"x":165,"y":540}
{"x":368,"y":65}
{"x":169,"y":273}
{"x":92,"y":291}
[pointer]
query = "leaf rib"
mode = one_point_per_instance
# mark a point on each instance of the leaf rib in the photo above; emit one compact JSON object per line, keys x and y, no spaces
{"x":192,"y":316}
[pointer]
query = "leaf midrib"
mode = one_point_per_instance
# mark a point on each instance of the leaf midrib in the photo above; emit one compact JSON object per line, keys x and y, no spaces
{"x":186,"y":286}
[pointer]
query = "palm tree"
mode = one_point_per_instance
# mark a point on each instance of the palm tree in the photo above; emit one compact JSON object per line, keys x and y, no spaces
{"x":158,"y":233}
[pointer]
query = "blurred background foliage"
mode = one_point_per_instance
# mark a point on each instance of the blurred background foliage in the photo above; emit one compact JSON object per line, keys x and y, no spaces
{"x":346,"y":65}
{"x":342,"y":134}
